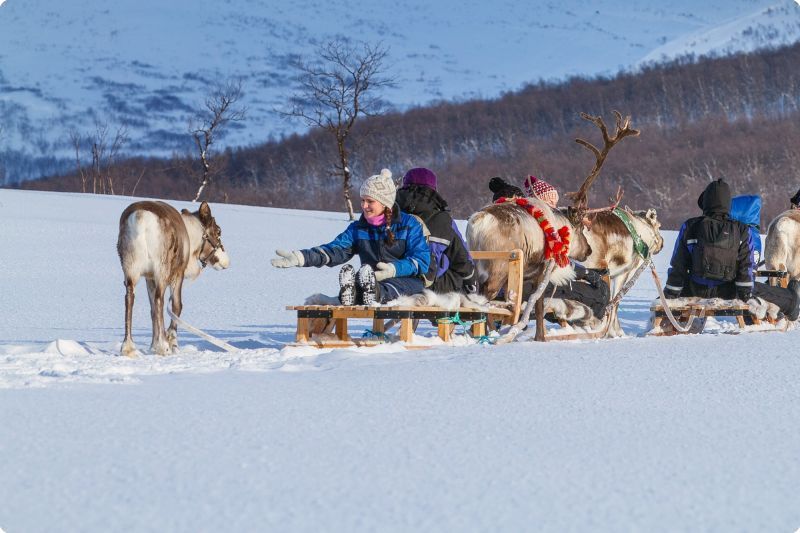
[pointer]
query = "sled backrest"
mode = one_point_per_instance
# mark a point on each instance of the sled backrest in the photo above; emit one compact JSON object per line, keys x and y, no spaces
{"x":516,"y":264}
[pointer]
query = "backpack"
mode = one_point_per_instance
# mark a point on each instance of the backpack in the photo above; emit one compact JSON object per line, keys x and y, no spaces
{"x":714,"y":247}
{"x":747,"y":210}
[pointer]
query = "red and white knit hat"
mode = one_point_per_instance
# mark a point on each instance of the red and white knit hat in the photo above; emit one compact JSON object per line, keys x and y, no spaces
{"x":541,"y":190}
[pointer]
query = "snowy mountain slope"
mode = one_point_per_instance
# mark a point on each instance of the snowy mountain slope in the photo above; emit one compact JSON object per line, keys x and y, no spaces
{"x":639,"y":433}
{"x":775,"y":25}
{"x":148,"y":64}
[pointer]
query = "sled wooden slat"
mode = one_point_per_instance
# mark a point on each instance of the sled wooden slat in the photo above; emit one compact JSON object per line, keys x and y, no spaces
{"x":406,"y":316}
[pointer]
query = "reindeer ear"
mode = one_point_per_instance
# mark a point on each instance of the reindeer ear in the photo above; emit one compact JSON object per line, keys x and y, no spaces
{"x":205,"y":213}
{"x":185,"y":212}
{"x":651,"y":215}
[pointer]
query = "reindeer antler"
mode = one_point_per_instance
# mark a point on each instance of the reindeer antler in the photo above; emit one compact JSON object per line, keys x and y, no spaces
{"x":579,"y":199}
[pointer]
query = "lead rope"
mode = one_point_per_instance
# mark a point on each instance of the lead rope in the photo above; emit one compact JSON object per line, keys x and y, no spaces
{"x":520,"y":326}
{"x":668,"y":311}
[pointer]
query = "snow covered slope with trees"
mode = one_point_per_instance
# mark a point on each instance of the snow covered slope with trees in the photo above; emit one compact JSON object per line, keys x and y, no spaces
{"x":657,"y":434}
{"x":148,"y":64}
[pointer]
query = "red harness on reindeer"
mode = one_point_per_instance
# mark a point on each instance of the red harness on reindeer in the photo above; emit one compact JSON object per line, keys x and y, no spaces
{"x":556,"y":242}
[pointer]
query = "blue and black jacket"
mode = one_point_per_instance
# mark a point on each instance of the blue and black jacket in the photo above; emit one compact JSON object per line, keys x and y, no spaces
{"x":408,"y":253}
{"x":713,"y":249}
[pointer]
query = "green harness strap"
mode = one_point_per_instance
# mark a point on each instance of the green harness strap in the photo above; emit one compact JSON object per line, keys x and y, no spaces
{"x":639,"y":246}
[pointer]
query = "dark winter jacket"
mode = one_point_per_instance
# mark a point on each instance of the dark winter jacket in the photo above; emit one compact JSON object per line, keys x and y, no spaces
{"x":451,"y":267}
{"x":795,"y":200}
{"x":713,"y":249}
{"x":409,"y":253}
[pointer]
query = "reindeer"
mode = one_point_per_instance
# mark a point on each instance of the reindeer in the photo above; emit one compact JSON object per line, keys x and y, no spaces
{"x":164,"y":246}
{"x":782,"y":245}
{"x":508,"y":226}
{"x":613,"y":250}
{"x":608,"y":242}
{"x":611,"y":241}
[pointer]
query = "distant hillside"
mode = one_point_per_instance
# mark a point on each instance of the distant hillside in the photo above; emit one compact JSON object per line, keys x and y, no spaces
{"x":733,"y":117}
{"x":148,"y":63}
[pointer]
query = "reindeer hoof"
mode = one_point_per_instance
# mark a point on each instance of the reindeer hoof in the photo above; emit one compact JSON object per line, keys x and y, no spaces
{"x":172,"y":339}
{"x":129,"y":350}
{"x":160,"y":349}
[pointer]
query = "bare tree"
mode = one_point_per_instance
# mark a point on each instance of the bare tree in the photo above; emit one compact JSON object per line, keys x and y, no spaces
{"x":104,"y":151}
{"x":75,"y":138}
{"x":334,"y":90}
{"x":220,"y":110}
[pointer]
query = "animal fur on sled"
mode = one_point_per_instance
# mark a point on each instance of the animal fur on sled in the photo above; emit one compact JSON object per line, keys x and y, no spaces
{"x":572,"y":311}
{"x":428,"y":298}
{"x":758,"y":307}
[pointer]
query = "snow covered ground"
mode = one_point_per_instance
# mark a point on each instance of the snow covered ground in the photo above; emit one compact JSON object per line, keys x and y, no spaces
{"x":689,"y":433}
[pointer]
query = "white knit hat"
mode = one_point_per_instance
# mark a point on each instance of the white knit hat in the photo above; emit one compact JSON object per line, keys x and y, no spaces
{"x":380,"y":187}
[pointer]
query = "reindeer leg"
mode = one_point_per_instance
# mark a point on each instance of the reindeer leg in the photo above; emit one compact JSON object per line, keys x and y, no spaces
{"x":159,"y":344}
{"x":128,"y":347}
{"x":177,"y":307}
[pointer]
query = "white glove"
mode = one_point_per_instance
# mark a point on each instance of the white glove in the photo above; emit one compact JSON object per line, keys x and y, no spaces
{"x":385,"y":271}
{"x":288,"y":258}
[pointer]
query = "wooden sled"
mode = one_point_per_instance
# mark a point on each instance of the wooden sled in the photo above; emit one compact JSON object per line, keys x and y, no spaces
{"x":744,"y":318}
{"x":406,"y":316}
{"x":326,"y":326}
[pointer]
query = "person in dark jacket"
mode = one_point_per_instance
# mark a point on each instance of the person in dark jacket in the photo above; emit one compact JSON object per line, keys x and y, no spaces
{"x":502,"y":189}
{"x":713,"y":255}
{"x":451,"y":268}
{"x":795,"y":200}
{"x":713,"y":258}
{"x":588,"y":288}
{"x":389,"y":243}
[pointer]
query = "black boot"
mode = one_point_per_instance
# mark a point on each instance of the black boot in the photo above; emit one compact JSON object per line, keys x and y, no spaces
{"x":347,"y":285}
{"x":368,"y":285}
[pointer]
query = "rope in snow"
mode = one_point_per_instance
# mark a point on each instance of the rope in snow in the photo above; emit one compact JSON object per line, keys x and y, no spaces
{"x":466,"y":324}
{"x":210,"y":338}
{"x":368,"y":333}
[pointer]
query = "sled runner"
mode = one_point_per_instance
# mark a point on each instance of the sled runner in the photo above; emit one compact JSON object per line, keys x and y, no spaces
{"x":334,"y":319}
{"x":691,"y":318}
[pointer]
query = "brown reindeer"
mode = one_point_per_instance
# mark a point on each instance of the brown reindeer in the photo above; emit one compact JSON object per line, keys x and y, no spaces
{"x":164,"y":247}
{"x":613,"y":250}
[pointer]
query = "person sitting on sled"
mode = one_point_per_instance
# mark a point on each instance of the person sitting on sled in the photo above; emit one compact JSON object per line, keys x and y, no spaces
{"x":713,"y":257}
{"x":588,"y":287}
{"x":451,"y":268}
{"x":389,"y":243}
{"x":542,"y":190}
